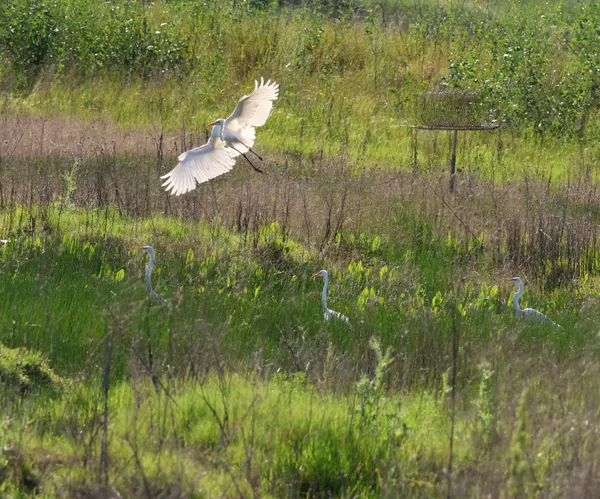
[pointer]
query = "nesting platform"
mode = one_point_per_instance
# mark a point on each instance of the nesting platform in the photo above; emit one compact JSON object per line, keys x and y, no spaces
{"x":455,"y":111}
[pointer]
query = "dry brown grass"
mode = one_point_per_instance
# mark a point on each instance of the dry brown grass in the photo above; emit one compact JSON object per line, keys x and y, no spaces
{"x":28,"y":136}
{"x":534,"y":227}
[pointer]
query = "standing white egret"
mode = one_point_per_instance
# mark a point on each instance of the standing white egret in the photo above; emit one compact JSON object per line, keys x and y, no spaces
{"x":4,"y":241}
{"x":152,"y":253}
{"x":327,"y":312}
{"x":230,"y":137}
{"x":526,"y":313}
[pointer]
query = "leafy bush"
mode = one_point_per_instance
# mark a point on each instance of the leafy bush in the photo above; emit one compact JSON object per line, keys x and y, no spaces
{"x":536,"y":66}
{"x":88,"y":37}
{"x":26,"y":370}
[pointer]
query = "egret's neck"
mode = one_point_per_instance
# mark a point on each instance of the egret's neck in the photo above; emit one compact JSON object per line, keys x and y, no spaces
{"x":151,"y":292}
{"x":218,"y":131}
{"x":149,"y":271}
{"x":324,"y":295}
{"x":517,"y":296}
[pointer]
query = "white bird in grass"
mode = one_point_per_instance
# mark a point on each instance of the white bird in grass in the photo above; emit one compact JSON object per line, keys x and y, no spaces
{"x":230,"y":137}
{"x":327,"y":312}
{"x":152,"y":253}
{"x":4,"y":241}
{"x":527,"y":313}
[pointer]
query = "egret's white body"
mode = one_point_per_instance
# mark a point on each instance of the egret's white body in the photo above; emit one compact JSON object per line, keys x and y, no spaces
{"x":230,"y":137}
{"x":152,"y":253}
{"x":4,"y":241}
{"x":527,"y":313}
{"x":327,"y":312}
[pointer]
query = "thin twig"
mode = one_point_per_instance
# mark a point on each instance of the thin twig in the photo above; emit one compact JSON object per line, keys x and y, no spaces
{"x":451,"y":210}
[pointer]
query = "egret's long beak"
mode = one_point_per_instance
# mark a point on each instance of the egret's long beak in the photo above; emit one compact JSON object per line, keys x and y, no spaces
{"x":510,"y":279}
{"x":316,"y":275}
{"x":136,"y":248}
{"x":212,"y":124}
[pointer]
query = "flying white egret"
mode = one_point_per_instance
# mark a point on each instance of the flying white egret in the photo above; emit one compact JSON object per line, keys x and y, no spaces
{"x":230,"y":137}
{"x":152,"y":253}
{"x":527,"y":313}
{"x":327,"y":312}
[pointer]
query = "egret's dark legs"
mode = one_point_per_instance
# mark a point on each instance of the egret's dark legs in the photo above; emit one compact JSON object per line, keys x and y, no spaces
{"x":252,"y":151}
{"x":249,"y":148}
{"x":256,"y":168}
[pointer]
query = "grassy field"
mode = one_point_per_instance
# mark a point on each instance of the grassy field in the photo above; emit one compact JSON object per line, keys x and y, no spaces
{"x":238,"y":388}
{"x":241,"y":380}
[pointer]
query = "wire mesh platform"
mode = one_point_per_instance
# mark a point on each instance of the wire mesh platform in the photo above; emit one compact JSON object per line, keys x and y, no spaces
{"x":452,"y":110}
{"x":449,"y":109}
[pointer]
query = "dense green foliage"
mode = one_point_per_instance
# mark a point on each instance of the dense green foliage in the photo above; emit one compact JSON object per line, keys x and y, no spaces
{"x":25,"y":370}
{"x":537,"y":65}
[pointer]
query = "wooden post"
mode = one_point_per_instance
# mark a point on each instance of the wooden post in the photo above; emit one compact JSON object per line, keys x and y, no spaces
{"x":415,"y":149}
{"x":453,"y":161}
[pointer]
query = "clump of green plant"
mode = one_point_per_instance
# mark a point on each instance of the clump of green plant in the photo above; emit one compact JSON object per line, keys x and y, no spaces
{"x":370,"y":391}
{"x":16,"y":475}
{"x":485,"y":404}
{"x":27,"y":370}
{"x":69,"y":177}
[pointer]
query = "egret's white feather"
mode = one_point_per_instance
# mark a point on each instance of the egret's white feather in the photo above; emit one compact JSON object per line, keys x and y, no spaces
{"x":254,"y":109}
{"x":200,"y":165}
{"x":332,"y":313}
{"x":251,"y":111}
{"x":229,"y":139}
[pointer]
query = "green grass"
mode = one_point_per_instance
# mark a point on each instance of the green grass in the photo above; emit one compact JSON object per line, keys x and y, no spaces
{"x":239,"y":388}
{"x":282,"y":435}
{"x":62,"y":287}
{"x":311,"y":408}
{"x":349,"y":420}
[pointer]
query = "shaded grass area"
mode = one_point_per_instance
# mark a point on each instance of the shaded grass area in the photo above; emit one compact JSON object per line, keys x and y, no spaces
{"x":238,"y":434}
{"x":23,"y":370}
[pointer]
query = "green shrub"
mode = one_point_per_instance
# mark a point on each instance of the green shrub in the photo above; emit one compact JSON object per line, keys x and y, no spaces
{"x":27,"y":370}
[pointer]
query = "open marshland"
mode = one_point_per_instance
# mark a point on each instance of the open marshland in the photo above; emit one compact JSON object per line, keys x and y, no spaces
{"x":237,"y":387}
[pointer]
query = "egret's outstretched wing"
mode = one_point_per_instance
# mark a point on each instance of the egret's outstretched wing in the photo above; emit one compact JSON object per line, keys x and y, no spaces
{"x":199,"y":165}
{"x":254,"y":109}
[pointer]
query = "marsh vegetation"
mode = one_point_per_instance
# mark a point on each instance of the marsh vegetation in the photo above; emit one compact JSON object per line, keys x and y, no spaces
{"x":240,"y":389}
